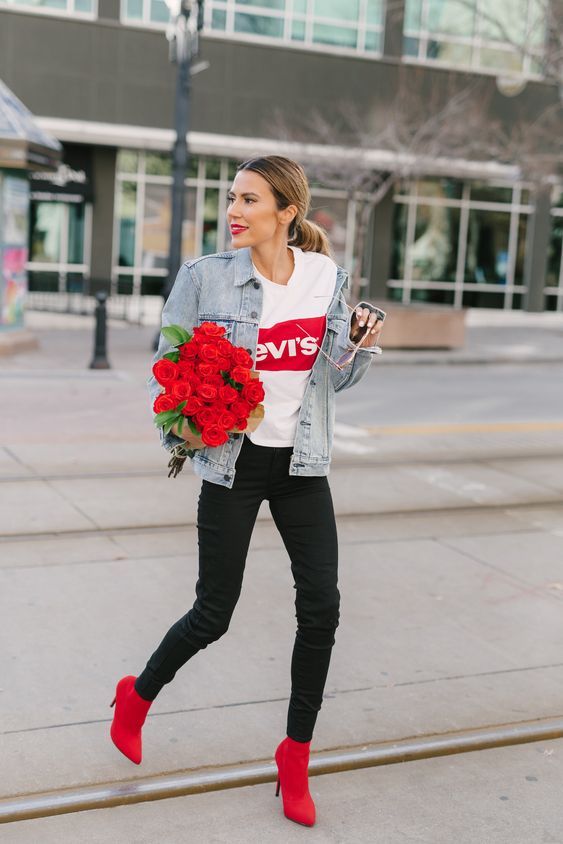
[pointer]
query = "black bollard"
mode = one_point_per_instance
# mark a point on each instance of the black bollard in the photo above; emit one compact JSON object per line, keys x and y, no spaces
{"x":100,"y":360}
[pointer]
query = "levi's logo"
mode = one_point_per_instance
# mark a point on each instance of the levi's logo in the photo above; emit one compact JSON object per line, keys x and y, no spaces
{"x":286,"y":347}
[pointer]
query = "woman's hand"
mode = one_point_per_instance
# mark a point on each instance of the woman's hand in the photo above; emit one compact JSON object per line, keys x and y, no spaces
{"x":191,"y":440}
{"x":365,"y":320}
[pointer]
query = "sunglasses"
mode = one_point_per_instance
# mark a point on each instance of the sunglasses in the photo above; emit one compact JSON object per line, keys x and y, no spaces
{"x":347,"y":358}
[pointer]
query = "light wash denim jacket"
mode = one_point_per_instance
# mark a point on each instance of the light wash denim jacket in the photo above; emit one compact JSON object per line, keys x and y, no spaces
{"x":222,"y":288}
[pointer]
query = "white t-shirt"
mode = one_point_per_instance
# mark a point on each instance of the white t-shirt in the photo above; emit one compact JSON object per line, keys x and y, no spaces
{"x":285,"y":354}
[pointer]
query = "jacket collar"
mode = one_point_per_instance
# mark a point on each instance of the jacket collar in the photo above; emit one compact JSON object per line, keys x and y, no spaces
{"x":243,"y":266}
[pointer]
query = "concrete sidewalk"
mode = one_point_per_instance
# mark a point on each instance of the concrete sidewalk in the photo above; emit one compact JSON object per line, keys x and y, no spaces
{"x":510,"y":795}
{"x":449,"y":621}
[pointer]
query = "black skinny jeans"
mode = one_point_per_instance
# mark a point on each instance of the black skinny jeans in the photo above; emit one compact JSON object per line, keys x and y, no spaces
{"x":304,"y":515}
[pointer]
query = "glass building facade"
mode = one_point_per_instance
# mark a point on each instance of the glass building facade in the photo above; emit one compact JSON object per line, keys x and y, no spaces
{"x":143,"y":215}
{"x":349,"y":25}
{"x":86,"y":8}
{"x":459,"y":243}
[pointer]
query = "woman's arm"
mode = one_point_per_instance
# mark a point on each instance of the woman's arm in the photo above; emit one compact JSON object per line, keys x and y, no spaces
{"x":181,"y":308}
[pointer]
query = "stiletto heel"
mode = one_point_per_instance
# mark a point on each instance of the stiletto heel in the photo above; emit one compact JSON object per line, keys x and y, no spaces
{"x":129,"y":716}
{"x":113,"y":702}
{"x":278,"y":787}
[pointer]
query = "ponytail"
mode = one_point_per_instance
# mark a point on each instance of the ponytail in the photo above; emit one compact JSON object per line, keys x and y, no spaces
{"x":309,"y":237}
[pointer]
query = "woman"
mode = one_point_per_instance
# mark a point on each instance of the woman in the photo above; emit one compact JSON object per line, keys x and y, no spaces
{"x":279,"y":294}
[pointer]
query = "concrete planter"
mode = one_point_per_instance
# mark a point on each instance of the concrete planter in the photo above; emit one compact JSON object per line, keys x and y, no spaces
{"x":422,"y":327}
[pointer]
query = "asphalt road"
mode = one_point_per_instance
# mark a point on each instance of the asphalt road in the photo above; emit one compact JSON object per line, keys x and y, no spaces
{"x":399,"y":395}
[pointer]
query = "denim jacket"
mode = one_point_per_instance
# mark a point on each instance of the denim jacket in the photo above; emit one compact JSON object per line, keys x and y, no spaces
{"x":222,"y":288}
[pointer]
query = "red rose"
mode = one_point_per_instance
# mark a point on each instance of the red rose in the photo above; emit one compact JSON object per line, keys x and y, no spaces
{"x":240,"y":374}
{"x":241,"y":357}
{"x":241,"y":423}
{"x":253,"y":392}
{"x":223,"y":363}
{"x":205,"y":416}
{"x":240,"y":408}
{"x":213,"y":436}
{"x":181,"y":390}
{"x":216,"y":379}
{"x":165,"y":371}
{"x":206,"y":369}
{"x":193,"y":380}
{"x":188,"y":351}
{"x":163,"y":403}
{"x":207,"y":392}
{"x":224,"y":347}
{"x":228,"y":394}
{"x":226,"y":420}
{"x":193,"y":404}
{"x":208,"y":352}
{"x":185,"y":370}
{"x":211,"y":329}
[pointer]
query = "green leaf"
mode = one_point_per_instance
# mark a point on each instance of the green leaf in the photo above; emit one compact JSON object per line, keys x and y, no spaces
{"x":167,"y":427}
{"x":193,"y":428}
{"x":181,"y":424}
{"x":165,"y":416}
{"x":176,"y":335}
{"x":173,"y":356}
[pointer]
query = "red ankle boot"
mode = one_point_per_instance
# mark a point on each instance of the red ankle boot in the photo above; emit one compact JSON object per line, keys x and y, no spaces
{"x":292,"y":759}
{"x":130,"y":713}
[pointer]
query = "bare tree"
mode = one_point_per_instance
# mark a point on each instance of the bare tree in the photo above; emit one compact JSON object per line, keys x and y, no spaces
{"x":424,"y":130}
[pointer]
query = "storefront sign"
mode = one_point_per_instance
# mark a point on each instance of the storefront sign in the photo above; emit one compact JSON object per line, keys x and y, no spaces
{"x":71,"y":182}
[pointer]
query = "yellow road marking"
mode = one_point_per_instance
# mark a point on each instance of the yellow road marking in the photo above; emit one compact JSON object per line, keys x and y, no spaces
{"x":465,"y":428}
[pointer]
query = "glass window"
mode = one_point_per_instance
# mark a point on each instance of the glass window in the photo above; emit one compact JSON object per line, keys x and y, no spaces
{"x":355,"y":25}
{"x":439,"y":188}
{"x":219,"y":19}
{"x":487,"y":247}
{"x":76,"y":233}
{"x":134,"y":9}
{"x":339,"y":35}
{"x":189,"y":241}
{"x":450,"y":18}
{"x":213,"y":168}
{"x":374,"y":11}
{"x":156,"y":226}
{"x":347,"y":10}
{"x":126,"y":216}
{"x":331,"y":214}
{"x":433,"y":254}
{"x":413,"y":12}
{"x":520,"y":249}
{"x":500,"y":37}
{"x":483,"y":192}
{"x":259,"y":25}
{"x":46,"y":232}
{"x":127,"y":161}
{"x":77,"y":7}
{"x":159,"y":11}
{"x":158,"y":164}
{"x":399,"y":240}
{"x":210,"y":221}
{"x":447,"y":222}
{"x":554,"y":255}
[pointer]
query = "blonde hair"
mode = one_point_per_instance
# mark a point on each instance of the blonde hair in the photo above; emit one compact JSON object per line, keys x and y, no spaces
{"x":289,"y":185}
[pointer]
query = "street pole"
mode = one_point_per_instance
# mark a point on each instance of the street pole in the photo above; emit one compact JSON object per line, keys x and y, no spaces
{"x":186,"y":21}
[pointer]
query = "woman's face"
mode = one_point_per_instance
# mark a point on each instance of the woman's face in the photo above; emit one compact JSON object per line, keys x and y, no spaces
{"x":252,"y":213}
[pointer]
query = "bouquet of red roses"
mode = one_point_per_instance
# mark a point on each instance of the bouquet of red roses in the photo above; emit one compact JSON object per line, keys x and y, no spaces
{"x":209,"y":385}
